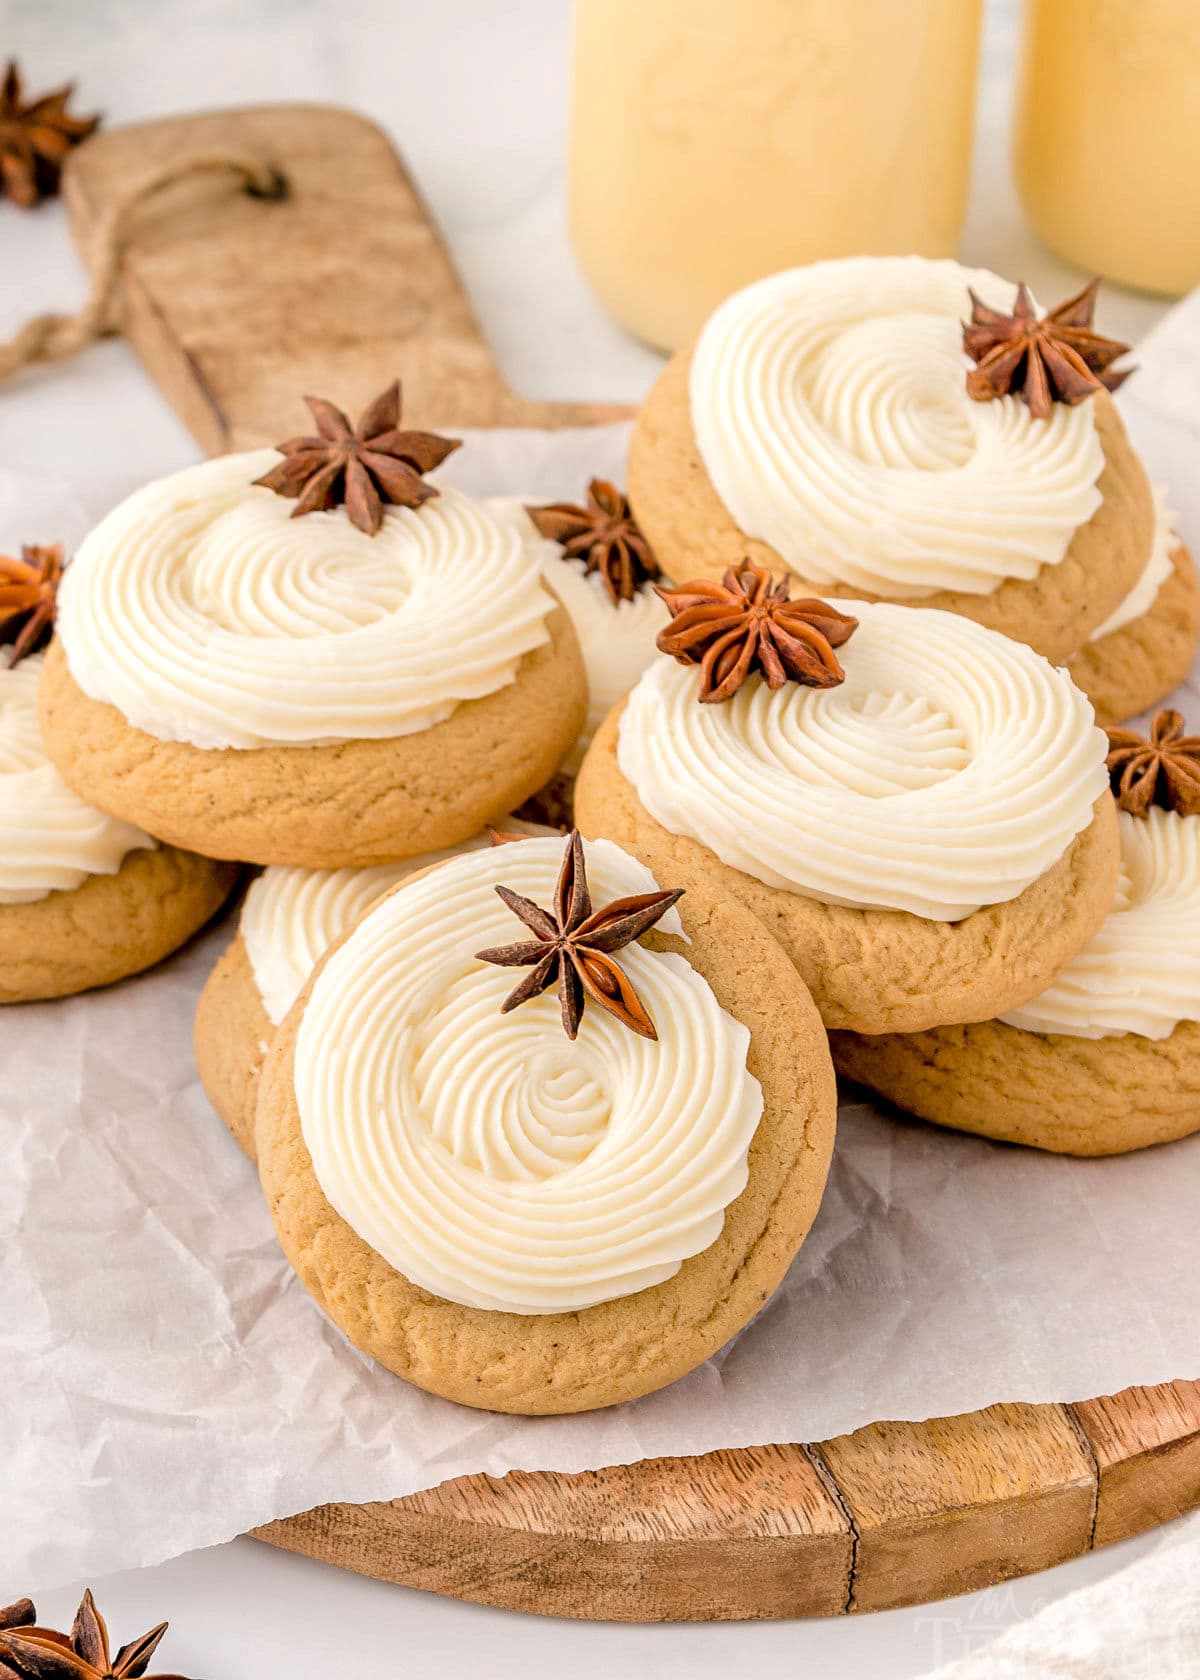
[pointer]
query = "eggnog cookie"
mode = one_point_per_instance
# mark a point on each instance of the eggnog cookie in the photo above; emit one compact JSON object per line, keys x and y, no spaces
{"x":597,"y":562}
{"x":823,"y":423}
{"x":289,"y":919}
{"x":370,"y":681}
{"x":84,"y":898}
{"x":931,"y":839}
{"x":527,"y":1221}
{"x":1148,"y":645}
{"x":1107,"y":1058}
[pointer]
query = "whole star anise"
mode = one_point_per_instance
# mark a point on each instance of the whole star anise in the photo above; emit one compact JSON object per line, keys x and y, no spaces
{"x":1162,"y":768}
{"x":30,"y":1652}
{"x":35,"y":137}
{"x":363,"y":466}
{"x":573,"y":945}
{"x":604,"y":535}
{"x":29,"y":598}
{"x":1057,"y":359}
{"x":747,"y":621}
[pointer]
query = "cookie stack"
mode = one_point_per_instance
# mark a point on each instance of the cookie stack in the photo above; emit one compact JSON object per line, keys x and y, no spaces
{"x":543,"y":1117}
{"x":317,"y":660}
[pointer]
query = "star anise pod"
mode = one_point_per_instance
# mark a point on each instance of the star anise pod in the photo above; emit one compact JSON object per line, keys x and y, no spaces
{"x":1057,"y":359}
{"x":573,"y":945}
{"x":604,"y":535}
{"x":29,"y":598}
{"x":35,"y":137}
{"x":747,"y":621}
{"x":363,"y":466}
{"x":1160,"y":769}
{"x":30,"y":1652}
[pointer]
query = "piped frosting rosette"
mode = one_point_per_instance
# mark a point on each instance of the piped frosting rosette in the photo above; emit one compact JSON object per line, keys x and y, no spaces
{"x":291,"y":917}
{"x":830,"y":408}
{"x":205,"y":613}
{"x":1141,"y":972}
{"x":51,"y":840}
{"x":950,"y":770}
{"x":488,"y":1158}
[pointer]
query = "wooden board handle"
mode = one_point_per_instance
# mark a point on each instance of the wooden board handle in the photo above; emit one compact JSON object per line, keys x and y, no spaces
{"x":238,"y":306}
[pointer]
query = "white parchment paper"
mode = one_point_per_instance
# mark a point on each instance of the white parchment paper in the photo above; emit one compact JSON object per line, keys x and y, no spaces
{"x":166,"y":1383}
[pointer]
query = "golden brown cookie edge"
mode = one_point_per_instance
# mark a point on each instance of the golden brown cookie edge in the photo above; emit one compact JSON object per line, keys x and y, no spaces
{"x":1051,"y":1091}
{"x":348,"y":805}
{"x":111,"y":926}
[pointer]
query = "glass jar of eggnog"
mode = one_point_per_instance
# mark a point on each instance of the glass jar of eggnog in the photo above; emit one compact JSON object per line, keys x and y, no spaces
{"x":714,"y":141}
{"x":1108,"y":136}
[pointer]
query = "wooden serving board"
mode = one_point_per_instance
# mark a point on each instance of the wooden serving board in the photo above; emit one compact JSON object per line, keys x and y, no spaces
{"x":897,"y":1513}
{"x":236,"y":307}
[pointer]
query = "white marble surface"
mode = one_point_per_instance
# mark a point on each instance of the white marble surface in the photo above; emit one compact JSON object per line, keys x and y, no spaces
{"x":475,"y":93}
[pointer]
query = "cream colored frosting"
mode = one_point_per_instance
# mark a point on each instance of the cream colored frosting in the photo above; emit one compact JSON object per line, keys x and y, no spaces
{"x":51,"y":840}
{"x":617,"y":638}
{"x":203,"y":611}
{"x":488,"y":1158}
{"x":1141,"y":973}
{"x":291,"y":917}
{"x":951,"y":769}
{"x":1158,"y":569}
{"x":831,"y":412}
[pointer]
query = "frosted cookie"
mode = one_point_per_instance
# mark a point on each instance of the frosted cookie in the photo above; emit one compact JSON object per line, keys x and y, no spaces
{"x":832,"y":420}
{"x":289,"y":919}
{"x":1107,"y":1058}
{"x":85,"y":899}
{"x":538,"y":1151}
{"x":370,"y":681}
{"x":600,"y":566}
{"x":1147,"y":647}
{"x":928,"y":832}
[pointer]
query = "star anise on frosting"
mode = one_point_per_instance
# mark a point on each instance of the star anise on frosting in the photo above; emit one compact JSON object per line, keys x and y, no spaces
{"x":747,"y":622}
{"x":30,"y":1652}
{"x":573,"y":945}
{"x":1059,"y":358}
{"x":363,"y":466}
{"x":35,"y":137}
{"x":1162,"y":768}
{"x":29,"y":598}
{"x":604,"y":535}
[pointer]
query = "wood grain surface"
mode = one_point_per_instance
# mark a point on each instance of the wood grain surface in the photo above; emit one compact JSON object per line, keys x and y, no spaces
{"x":897,"y":1513}
{"x":237,"y":307}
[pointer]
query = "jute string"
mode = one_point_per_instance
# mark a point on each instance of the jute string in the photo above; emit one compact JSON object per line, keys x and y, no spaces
{"x":51,"y":337}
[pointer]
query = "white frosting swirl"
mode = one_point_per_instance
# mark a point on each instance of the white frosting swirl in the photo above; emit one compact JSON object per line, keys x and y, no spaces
{"x":1141,"y":972}
{"x":291,"y":917}
{"x":617,"y":638}
{"x":51,"y":840}
{"x":205,"y":613}
{"x":830,"y":408}
{"x":951,"y":769}
{"x":1158,"y":569}
{"x":485,"y":1156}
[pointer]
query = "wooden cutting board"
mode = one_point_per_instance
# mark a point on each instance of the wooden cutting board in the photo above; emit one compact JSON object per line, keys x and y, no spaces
{"x":236,"y":307}
{"x":897,"y":1513}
